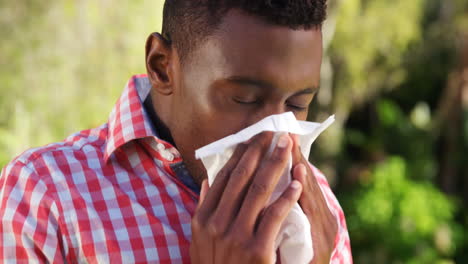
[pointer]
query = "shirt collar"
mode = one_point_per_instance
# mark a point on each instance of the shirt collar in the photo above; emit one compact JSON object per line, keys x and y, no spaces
{"x":129,"y":120}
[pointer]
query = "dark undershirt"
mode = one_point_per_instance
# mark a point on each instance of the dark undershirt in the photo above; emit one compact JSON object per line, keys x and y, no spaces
{"x":162,"y":132}
{"x":159,"y":128}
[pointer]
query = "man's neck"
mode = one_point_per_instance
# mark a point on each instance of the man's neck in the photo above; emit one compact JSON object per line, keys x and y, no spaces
{"x":161,"y":129}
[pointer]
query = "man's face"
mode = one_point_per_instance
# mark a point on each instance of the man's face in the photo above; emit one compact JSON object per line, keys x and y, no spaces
{"x":245,"y":71}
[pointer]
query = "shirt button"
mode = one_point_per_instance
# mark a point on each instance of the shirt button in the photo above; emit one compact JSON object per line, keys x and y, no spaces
{"x":168,"y":156}
{"x":174,"y":152}
{"x":160,"y":147}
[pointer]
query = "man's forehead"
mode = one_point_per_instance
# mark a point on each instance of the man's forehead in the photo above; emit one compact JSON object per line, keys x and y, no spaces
{"x":267,"y":52}
{"x":247,"y":46}
{"x":237,"y":24}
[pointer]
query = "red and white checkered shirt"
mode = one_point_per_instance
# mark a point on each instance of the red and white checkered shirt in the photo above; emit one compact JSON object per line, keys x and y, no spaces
{"x":108,"y":195}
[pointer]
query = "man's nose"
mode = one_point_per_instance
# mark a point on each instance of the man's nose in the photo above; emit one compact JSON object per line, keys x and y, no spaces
{"x":267,"y":110}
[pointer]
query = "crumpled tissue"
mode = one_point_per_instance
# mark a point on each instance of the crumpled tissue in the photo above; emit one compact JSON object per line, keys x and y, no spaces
{"x":294,"y":238}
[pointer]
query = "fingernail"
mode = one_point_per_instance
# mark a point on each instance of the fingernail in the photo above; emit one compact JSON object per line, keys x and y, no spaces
{"x":295,"y":184}
{"x":283,"y":141}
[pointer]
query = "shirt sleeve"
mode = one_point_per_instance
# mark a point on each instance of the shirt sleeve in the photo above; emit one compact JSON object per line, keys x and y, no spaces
{"x":29,"y":226}
{"x":342,"y":251}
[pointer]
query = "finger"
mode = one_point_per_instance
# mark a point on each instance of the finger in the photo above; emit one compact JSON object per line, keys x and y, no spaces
{"x":215,"y":192}
{"x":203,"y":191}
{"x":198,"y":240}
{"x":275,"y":214}
{"x":307,"y":177}
{"x":295,"y":138}
{"x":201,"y":241}
{"x":298,"y":159}
{"x":299,"y":172}
{"x":296,"y":149}
{"x":237,"y":186}
{"x":264,"y":183}
{"x":194,"y":252}
{"x":312,"y":195}
{"x":207,"y":204}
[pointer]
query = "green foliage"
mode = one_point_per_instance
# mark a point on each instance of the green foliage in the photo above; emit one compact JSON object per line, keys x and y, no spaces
{"x":390,"y":68}
{"x":401,"y":220}
{"x":369,"y":40}
{"x":407,"y":135}
{"x":64,"y":64}
{"x":387,"y":64}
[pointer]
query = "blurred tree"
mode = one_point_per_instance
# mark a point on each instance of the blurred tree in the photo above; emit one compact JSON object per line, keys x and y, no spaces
{"x":64,"y":64}
{"x":396,"y":79}
{"x":394,"y":222}
{"x":394,"y":72}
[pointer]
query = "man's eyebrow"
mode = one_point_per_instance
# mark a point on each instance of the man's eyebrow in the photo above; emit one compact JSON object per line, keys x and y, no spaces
{"x":242,"y":80}
{"x":310,"y":90}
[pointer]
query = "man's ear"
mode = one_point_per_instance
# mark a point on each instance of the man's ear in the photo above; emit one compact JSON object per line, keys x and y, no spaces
{"x":159,"y":63}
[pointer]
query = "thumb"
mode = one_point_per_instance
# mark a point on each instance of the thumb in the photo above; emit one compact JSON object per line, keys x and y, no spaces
{"x":296,"y":150}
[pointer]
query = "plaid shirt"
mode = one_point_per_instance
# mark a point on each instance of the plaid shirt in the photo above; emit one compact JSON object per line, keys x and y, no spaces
{"x":108,"y":195}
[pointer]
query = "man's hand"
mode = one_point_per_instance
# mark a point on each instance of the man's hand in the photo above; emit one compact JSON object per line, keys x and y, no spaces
{"x":322,"y":222}
{"x":231,"y":223}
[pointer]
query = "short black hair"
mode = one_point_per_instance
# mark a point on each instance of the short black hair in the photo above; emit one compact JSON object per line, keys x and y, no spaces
{"x":187,"y":22}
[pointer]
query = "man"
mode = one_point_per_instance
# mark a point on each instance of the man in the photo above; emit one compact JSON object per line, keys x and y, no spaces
{"x":129,"y":191}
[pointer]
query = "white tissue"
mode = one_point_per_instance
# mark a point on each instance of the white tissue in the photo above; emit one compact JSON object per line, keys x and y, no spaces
{"x":294,"y":239}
